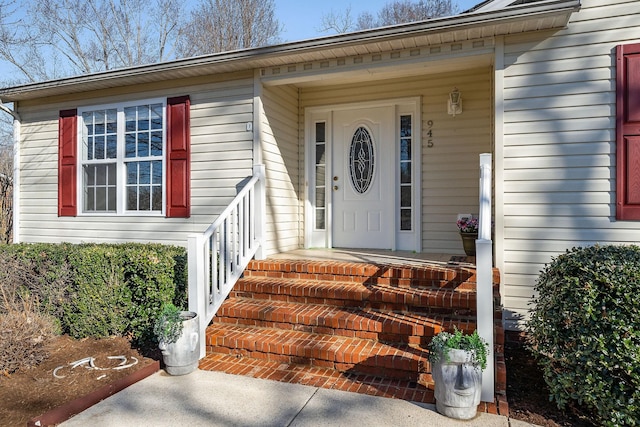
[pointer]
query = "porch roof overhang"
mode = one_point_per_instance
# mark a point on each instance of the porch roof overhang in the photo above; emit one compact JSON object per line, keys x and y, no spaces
{"x":471,"y":25}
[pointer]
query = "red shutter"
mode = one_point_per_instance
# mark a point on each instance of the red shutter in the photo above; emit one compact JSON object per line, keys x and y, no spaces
{"x":178,"y":158}
{"x":628,"y":132}
{"x":67,"y":162}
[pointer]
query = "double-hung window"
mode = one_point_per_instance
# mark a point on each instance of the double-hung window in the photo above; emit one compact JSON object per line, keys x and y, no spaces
{"x":123,"y":158}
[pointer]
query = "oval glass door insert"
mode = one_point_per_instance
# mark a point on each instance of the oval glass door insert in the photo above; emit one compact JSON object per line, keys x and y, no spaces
{"x":361,"y":160}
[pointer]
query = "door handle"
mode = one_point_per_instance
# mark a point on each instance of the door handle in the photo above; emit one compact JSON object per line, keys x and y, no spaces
{"x":335,"y":178}
{"x":335,"y":187}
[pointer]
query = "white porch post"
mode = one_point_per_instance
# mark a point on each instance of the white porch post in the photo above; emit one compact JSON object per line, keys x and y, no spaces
{"x":261,"y":209}
{"x":484,"y":272}
{"x":196,"y":270}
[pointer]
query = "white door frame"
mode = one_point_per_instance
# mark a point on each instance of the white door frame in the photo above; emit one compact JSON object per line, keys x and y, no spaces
{"x":403,"y":240}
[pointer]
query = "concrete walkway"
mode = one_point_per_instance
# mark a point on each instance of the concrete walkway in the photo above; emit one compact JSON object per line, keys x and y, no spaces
{"x":206,"y":398}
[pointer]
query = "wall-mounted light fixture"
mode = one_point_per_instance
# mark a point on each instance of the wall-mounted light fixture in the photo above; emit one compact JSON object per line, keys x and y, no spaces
{"x":454,"y":104}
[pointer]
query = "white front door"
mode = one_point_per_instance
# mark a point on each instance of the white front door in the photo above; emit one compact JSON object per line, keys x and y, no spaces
{"x":363,"y":178}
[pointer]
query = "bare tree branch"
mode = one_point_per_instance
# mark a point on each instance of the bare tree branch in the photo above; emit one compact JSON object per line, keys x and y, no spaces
{"x":223,"y":25}
{"x":395,"y":12}
{"x":337,"y":22}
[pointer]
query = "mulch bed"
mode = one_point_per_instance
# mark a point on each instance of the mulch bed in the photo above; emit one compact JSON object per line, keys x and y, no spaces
{"x":30,"y":393}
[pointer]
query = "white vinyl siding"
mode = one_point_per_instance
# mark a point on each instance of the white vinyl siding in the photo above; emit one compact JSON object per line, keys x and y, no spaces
{"x":221,"y":153}
{"x":559,"y":145}
{"x":450,"y":169}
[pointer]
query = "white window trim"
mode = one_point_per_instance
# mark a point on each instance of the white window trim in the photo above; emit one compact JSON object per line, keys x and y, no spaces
{"x":121,"y":182}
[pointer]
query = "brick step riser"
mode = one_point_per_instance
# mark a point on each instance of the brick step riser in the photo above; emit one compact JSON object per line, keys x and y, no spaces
{"x":391,"y":338}
{"x":384,"y":326}
{"x":382,"y":299}
{"x":467,"y":283}
{"x":381,"y":306}
{"x":400,"y":369}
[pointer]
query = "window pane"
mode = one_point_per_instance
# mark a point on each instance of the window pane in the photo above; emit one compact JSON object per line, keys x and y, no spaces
{"x":157,"y":172}
{"x":320,"y":132}
{"x":99,"y":123}
{"x":156,"y":143}
{"x":405,"y":126}
{"x":144,"y":173}
{"x":89,"y":175}
{"x":132,"y":198}
{"x":143,"y":144}
{"x":112,"y":120}
{"x":405,"y":219}
{"x":320,"y":175}
{"x":89,"y":199}
{"x":405,"y":149}
{"x":101,"y":175}
{"x":89,"y":148}
{"x":101,"y":198}
{"x":130,"y":119}
{"x":157,"y":198}
{"x":111,"y":198}
{"x":111,"y":175}
{"x":112,"y":146}
{"x":405,"y":173}
{"x":156,"y":116}
{"x":100,"y":147}
{"x":320,"y":197}
{"x":143,"y":117}
{"x":320,"y":151}
{"x":144,"y":198}
{"x":132,"y":173}
{"x":130,"y":145}
{"x":320,"y":219}
{"x":405,"y":196}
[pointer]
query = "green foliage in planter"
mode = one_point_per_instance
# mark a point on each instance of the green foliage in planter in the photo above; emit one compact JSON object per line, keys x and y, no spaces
{"x":445,"y":341}
{"x":585,"y":331}
{"x":168,"y":326}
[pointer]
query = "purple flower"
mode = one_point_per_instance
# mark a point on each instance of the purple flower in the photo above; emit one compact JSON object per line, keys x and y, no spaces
{"x":468,"y":225}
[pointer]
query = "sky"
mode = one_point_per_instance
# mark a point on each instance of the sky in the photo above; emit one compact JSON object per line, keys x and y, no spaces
{"x":302,"y":18}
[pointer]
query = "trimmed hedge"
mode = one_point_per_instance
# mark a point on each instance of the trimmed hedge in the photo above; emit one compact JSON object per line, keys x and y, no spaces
{"x":585,"y":331}
{"x":106,"y":289}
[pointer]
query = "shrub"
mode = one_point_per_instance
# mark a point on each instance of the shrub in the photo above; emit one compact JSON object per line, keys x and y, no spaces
{"x":24,"y":329}
{"x":100,"y":290}
{"x":99,"y":301}
{"x":585,"y":331}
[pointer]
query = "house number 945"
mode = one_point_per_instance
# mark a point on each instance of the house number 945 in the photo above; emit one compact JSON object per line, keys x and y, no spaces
{"x":430,"y":133}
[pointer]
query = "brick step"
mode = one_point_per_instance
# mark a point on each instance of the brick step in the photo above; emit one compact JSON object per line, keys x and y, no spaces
{"x":428,"y":276}
{"x":351,"y":294}
{"x":343,"y":354}
{"x":388,"y":327}
{"x":413,"y":391}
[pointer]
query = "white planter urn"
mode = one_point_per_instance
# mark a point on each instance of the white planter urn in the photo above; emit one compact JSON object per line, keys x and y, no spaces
{"x":458,"y":384}
{"x":182,"y":356}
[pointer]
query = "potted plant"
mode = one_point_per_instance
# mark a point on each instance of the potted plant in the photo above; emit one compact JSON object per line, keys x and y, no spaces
{"x":457,"y":360}
{"x":468,"y":227}
{"x":178,"y":334}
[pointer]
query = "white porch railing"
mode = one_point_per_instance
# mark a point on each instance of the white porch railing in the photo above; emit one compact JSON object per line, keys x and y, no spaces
{"x":484,"y":274}
{"x":217,"y":257}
